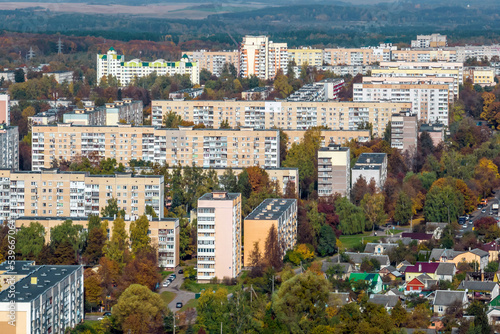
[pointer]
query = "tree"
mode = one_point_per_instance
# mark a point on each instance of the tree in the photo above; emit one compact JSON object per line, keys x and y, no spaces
{"x":399,"y":315}
{"x":143,"y":269}
{"x":281,"y":85}
{"x":115,"y":248}
{"x":327,"y":241}
{"x":139,"y":310}
{"x":256,"y":260}
{"x":272,"y":250}
{"x":443,"y":204}
{"x":30,"y":240}
{"x":403,"y":211}
{"x":150,"y":211}
{"x":19,"y":75}
{"x":111,"y":210}
{"x":95,"y":244}
{"x":481,"y":324}
{"x":352,"y":218}
{"x":213,"y":310}
{"x":373,"y":207}
{"x":93,"y":290}
{"x":71,"y":233}
{"x":300,"y":303}
{"x":139,"y":238}
{"x":229,"y":181}
{"x":171,"y":120}
{"x":359,"y":189}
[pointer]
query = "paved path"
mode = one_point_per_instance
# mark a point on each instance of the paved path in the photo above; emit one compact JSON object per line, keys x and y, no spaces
{"x":181,"y":295}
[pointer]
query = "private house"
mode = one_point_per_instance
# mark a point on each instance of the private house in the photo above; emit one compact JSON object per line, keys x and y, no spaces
{"x":493,"y":315}
{"x":373,"y":280}
{"x":492,"y":249}
{"x":339,"y":298}
{"x":419,"y":284}
{"x":387,"y":301}
{"x":446,"y":298}
{"x":379,"y":248}
{"x":476,"y":255}
{"x":420,"y":268}
{"x":446,"y":271}
{"x":342,"y":270}
{"x":419,"y":237}
{"x":390,"y":272}
{"x":357,"y":259}
{"x":482,"y":291}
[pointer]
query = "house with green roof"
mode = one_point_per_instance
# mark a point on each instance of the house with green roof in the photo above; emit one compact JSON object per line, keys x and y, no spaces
{"x":373,"y":279}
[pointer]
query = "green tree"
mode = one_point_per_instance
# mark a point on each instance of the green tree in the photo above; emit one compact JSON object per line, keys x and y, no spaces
{"x":352,"y":218}
{"x":213,"y":310}
{"x":300,"y":303}
{"x":327,"y":241}
{"x":272,"y":249}
{"x":19,"y":75}
{"x":373,"y":207}
{"x":71,"y":233}
{"x":115,"y":248}
{"x":95,"y":244}
{"x":139,"y":238}
{"x":150,"y":211}
{"x":171,"y":120}
{"x":478,"y":310}
{"x":443,"y":204}
{"x":403,"y":211}
{"x":30,"y":240}
{"x":229,"y":181}
{"x":139,"y":310}
{"x":399,"y":315}
{"x":111,"y":210}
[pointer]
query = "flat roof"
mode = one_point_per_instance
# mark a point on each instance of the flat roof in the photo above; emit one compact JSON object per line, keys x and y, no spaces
{"x":227,"y":196}
{"x":371,"y":158}
{"x":366,"y":167}
{"x":334,"y":147}
{"x":46,"y":278}
{"x":271,"y":209}
{"x":44,"y":218}
{"x":56,"y":171}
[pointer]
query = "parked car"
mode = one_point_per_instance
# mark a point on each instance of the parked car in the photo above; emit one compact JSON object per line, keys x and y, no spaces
{"x":178,"y":305}
{"x":483,"y":211}
{"x":105,"y":314}
{"x":180,"y":271}
{"x":166,"y":283}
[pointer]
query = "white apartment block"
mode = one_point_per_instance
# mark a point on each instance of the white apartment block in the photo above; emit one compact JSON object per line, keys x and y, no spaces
{"x":370,"y":166}
{"x":126,"y":111}
{"x":429,"y":102}
{"x":113,"y":64}
{"x":263,"y":58}
{"x":429,"y":41}
{"x":47,"y":299}
{"x":76,"y":194}
{"x":281,"y":114}
{"x":184,"y":146}
{"x":9,"y":147}
{"x":219,"y":236}
{"x":358,"y":56}
{"x":334,"y":170}
{"x":476,"y":51}
{"x":214,"y":61}
{"x":61,"y":76}
{"x":340,"y":70}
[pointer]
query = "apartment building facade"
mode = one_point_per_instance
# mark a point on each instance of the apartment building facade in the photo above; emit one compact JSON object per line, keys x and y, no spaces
{"x":370,"y":166}
{"x":47,"y":299}
{"x":263,"y":58}
{"x":114,"y":64}
{"x":476,"y":51}
{"x":334,"y":170}
{"x":302,"y":56}
{"x":286,"y":115}
{"x":404,"y":132}
{"x":4,"y":109}
{"x":358,"y":56}
{"x":76,"y":194}
{"x":424,"y":55}
{"x":125,"y":111}
{"x":482,"y":76}
{"x":184,"y":146}
{"x":214,"y":61}
{"x":163,"y":232}
{"x":429,"y":41}
{"x":219,"y":236}
{"x":9,"y":147}
{"x":278,"y":212}
{"x":429,"y":102}
{"x":340,"y":70}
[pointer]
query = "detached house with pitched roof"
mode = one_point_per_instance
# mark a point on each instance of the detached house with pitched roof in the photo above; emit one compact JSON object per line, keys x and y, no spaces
{"x":476,"y":255}
{"x":374,"y":281}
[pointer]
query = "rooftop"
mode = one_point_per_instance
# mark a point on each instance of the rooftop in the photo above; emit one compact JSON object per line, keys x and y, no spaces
{"x":219,"y":196}
{"x":334,"y":147}
{"x":371,"y":158}
{"x":44,"y":218}
{"x":271,"y":209}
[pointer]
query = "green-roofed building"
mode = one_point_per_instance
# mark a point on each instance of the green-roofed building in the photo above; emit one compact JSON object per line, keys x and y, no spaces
{"x":373,"y":279}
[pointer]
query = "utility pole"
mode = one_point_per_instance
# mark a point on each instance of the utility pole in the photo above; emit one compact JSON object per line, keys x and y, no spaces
{"x":174,"y":323}
{"x":59,"y":46}
{"x":221,"y":327}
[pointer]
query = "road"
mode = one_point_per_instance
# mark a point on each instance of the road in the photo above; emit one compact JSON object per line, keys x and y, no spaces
{"x":479,"y":214}
{"x":181,"y":295}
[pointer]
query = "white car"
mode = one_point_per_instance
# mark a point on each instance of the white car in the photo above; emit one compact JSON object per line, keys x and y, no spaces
{"x":166,"y":284}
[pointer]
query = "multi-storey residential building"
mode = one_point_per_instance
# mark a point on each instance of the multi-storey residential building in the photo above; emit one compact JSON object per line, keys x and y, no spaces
{"x":429,"y":102}
{"x":370,"y":166}
{"x":214,"y":61}
{"x":60,"y":76}
{"x":9,"y":147}
{"x":114,"y":64}
{"x":334,"y":170}
{"x":263,"y":58}
{"x":404,"y":132}
{"x":423,"y":69}
{"x":435,"y":131}
{"x":324,"y":90}
{"x":483,"y":76}
{"x":47,"y":299}
{"x":359,"y":56}
{"x":476,"y":51}
{"x":340,"y":70}
{"x":187,"y":92}
{"x":429,"y":41}
{"x":281,"y":114}
{"x":163,"y":232}
{"x":278,"y":212}
{"x":424,"y":55}
{"x":257,"y":93}
{"x":312,"y":57}
{"x":184,"y":146}
{"x":4,"y":109}
{"x":76,"y":194}
{"x":126,"y":111}
{"x":219,"y":236}
{"x":328,"y":137}
{"x":43,"y":118}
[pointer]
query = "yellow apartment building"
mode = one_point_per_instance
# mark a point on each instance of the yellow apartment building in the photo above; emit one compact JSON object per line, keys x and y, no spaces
{"x":280,"y":212}
{"x":184,"y":146}
{"x":412,"y":55}
{"x":312,"y":57}
{"x":163,"y":232}
{"x":50,"y":193}
{"x":483,"y":76}
{"x":214,"y":61}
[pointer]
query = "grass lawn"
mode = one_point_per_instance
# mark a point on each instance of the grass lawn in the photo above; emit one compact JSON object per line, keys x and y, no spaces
{"x":190,"y":304}
{"x":349,"y":241}
{"x":167,"y":296}
{"x":393,"y":232}
{"x":164,"y":274}
{"x":197,"y":287}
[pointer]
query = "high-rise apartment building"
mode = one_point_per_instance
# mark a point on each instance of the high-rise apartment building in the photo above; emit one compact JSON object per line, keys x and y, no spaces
{"x":263,"y":58}
{"x":426,"y":55}
{"x":334,"y":170}
{"x":184,"y":146}
{"x":429,"y":41}
{"x":9,"y":147}
{"x":114,"y":64}
{"x":163,"y":232}
{"x":126,"y":111}
{"x":358,"y":56}
{"x":429,"y":102}
{"x":4,"y":109}
{"x":312,"y":57}
{"x":76,"y":194}
{"x":278,"y":212}
{"x":404,"y":132}
{"x":287,"y":115}
{"x":476,"y":51}
{"x":47,"y":299}
{"x":214,"y":61}
{"x":219,"y":236}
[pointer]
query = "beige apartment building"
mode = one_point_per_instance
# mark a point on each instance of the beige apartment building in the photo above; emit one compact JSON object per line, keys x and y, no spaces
{"x":330,"y":136}
{"x":52,"y":193}
{"x":184,"y":146}
{"x":263,"y":58}
{"x":429,"y":41}
{"x":219,"y":236}
{"x":312,"y":57}
{"x":483,"y":76}
{"x":278,"y":212}
{"x":125,"y":111}
{"x":163,"y":232}
{"x":422,"y":70}
{"x":358,"y":56}
{"x":287,"y":115}
{"x":424,"y":55}
{"x":214,"y":61}
{"x":404,"y":132}
{"x":334,"y":170}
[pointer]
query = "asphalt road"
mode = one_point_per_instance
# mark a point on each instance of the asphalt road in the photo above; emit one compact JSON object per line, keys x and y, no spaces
{"x":175,"y":287}
{"x":479,"y":214}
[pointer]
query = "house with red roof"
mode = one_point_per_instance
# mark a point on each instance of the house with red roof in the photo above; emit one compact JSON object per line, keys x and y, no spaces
{"x":419,"y":284}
